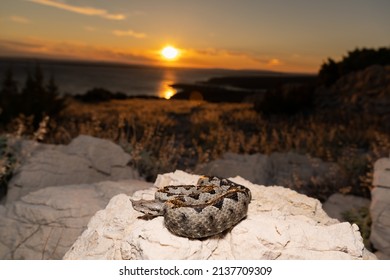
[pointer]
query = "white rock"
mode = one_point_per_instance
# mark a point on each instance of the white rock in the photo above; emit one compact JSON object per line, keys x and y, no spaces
{"x":338,"y":204}
{"x":380,"y":216}
{"x":290,"y":169}
{"x":382,"y":173}
{"x":252,"y":167}
{"x":45,"y":223}
{"x":380,"y":208}
{"x":85,"y":160}
{"x":103,"y":154}
{"x":281,"y":224}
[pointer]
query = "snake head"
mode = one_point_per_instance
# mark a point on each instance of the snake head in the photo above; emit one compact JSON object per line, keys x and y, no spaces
{"x":151,"y":208}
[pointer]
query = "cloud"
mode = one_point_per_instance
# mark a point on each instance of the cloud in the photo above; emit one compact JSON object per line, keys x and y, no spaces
{"x":89,"y":11}
{"x":20,"y":19}
{"x":274,"y":62}
{"x":219,"y":52}
{"x":71,"y":50}
{"x":233,"y":59}
{"x":19,"y":48}
{"x":129,"y":33}
{"x":267,"y":61}
{"x":239,"y":54}
{"x":20,"y":44}
{"x":262,"y":60}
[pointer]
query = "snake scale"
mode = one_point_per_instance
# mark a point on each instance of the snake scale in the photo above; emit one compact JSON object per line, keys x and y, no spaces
{"x":212,"y":206}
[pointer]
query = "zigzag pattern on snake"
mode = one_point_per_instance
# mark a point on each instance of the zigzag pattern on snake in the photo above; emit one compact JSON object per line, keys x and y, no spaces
{"x":213,"y":206}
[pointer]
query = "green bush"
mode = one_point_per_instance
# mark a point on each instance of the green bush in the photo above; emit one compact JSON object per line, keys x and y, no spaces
{"x":361,"y":217}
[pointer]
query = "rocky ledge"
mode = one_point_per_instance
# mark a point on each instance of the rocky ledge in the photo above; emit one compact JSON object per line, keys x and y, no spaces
{"x":85,"y":160}
{"x":281,"y":224}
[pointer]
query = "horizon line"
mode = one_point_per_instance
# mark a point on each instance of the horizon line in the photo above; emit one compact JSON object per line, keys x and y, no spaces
{"x":101,"y":63}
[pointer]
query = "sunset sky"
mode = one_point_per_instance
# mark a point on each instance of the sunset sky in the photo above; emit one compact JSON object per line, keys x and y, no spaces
{"x":280,"y":35}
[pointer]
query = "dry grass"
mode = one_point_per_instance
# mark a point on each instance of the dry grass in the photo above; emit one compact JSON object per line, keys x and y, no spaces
{"x":162,"y":136}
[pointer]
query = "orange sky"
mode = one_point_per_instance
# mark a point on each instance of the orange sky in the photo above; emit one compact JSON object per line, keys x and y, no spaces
{"x":247,"y":34}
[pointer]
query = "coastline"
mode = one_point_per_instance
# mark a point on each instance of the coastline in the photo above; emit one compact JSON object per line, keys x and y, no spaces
{"x":239,"y":88}
{"x":77,"y":78}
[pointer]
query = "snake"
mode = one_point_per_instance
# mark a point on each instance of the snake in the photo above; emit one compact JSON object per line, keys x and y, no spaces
{"x":212,"y":206}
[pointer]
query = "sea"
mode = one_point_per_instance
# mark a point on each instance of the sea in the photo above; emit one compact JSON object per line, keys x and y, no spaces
{"x":77,"y":77}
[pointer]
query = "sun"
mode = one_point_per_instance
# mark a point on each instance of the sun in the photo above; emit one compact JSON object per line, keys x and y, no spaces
{"x":170,"y":53}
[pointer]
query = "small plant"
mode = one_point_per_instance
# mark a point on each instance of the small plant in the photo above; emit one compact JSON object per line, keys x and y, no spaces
{"x":7,"y":162}
{"x":361,"y":217}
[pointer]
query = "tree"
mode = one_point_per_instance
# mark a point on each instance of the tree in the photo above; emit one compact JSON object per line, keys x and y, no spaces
{"x":36,"y":99}
{"x":355,"y":60}
{"x":9,"y":96}
{"x":52,"y":88}
{"x":329,"y":72}
{"x":39,"y":99}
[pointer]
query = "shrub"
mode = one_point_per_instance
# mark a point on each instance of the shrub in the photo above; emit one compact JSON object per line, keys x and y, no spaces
{"x":6,"y":166}
{"x":360,"y":217}
{"x":9,"y":97}
{"x":287,"y":100}
{"x":356,"y":60}
{"x":97,"y":95}
{"x":36,"y":99}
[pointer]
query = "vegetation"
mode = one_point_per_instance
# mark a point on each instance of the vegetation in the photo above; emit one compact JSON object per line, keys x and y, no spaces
{"x":8,"y":98}
{"x":6,"y":166}
{"x":361,"y":217}
{"x":36,"y":100}
{"x":286,"y":100}
{"x":358,"y":59}
{"x":163,"y":135}
{"x":96,"y":95}
{"x":25,"y":111}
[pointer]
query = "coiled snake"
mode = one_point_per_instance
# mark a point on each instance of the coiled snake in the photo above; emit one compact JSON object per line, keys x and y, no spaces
{"x":213,"y":206}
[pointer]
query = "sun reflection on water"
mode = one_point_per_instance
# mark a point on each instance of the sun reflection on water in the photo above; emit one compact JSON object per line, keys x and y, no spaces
{"x":165,"y":89}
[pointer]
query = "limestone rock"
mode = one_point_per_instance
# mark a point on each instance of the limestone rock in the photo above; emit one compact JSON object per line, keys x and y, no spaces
{"x":45,"y":223}
{"x":85,"y":160}
{"x":380,"y":208}
{"x":298,"y":172}
{"x":252,"y":167}
{"x":338,"y":204}
{"x":382,"y":173}
{"x":281,"y":224}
